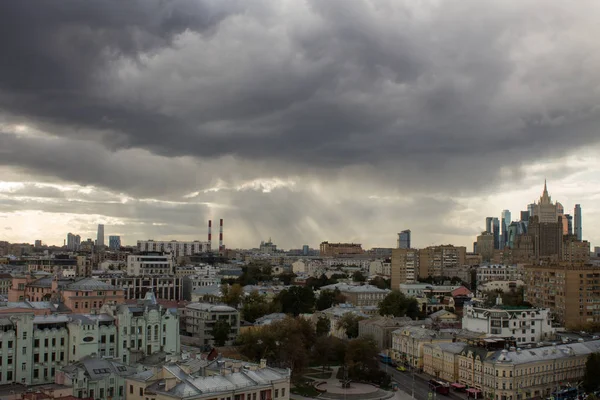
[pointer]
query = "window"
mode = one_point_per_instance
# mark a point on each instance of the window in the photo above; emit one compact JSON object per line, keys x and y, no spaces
{"x":23,"y":366}
{"x":10,"y":344}
{"x":62,"y":341}
{"x":141,"y":392}
{"x":24,"y":350}
{"x":46,"y":342}
{"x":276,"y":393}
{"x":24,"y":334}
{"x":112,"y":338}
{"x":36,"y":358}
{"x":130,"y":389}
{"x":283,"y":392}
{"x":36,"y":343}
{"x":36,"y":373}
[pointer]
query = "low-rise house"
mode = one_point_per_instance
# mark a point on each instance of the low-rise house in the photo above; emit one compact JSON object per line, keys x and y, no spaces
{"x":380,"y":328}
{"x":502,"y":286}
{"x":360,"y":295}
{"x":426,"y":289}
{"x":335,"y":314}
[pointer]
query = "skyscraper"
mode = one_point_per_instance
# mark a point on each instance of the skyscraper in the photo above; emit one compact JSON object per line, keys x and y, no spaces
{"x":496,"y":232}
{"x":404,"y":239}
{"x":100,"y":236}
{"x":114,"y":242}
{"x":73,"y":241}
{"x":488,"y":224}
{"x":506,"y":220}
{"x":577,"y":231}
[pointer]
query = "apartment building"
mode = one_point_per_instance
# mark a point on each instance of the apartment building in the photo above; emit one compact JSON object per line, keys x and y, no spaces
{"x":380,"y":267}
{"x":380,"y":328}
{"x":339,"y":249}
{"x":199,"y":319}
{"x":360,"y":295}
{"x":434,"y":260}
{"x":515,"y":373}
{"x":571,"y":292}
{"x":151,"y":263}
{"x":80,"y":295}
{"x":193,"y":282}
{"x":498,"y":272}
{"x":165,"y":287}
{"x":208,"y":380}
{"x":96,"y":378}
{"x":404,"y":266}
{"x":178,"y":249}
{"x":5,"y":283}
{"x":34,"y":347}
{"x":439,"y":360}
{"x":427,"y":289}
{"x":525,"y":324}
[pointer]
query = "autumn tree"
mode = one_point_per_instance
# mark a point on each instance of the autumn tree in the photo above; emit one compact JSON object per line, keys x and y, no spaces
{"x":323,"y":326}
{"x":296,"y":300}
{"x":349,"y":323}
{"x":232,"y":295}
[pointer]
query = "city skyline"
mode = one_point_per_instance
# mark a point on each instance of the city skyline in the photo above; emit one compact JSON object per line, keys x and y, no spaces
{"x":334,"y":121}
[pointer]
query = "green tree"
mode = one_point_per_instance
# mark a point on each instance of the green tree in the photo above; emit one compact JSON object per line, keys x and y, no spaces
{"x":328,"y":298}
{"x":323,"y":326}
{"x":296,"y":300}
{"x":256,"y":306}
{"x":220,"y":332}
{"x":380,"y":282}
{"x":349,"y":323}
{"x":358,"y":276}
{"x":398,"y":305}
{"x":232,"y":295}
{"x":287,"y":278}
{"x":591,"y":382}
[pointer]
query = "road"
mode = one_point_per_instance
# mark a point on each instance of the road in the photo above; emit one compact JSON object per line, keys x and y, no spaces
{"x":421,"y":386}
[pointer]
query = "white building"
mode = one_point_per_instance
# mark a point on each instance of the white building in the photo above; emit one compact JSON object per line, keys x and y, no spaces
{"x":487,"y":273}
{"x":525,"y":324}
{"x":503,"y":286}
{"x":423,"y":289}
{"x":193,"y":282}
{"x":200,"y":319}
{"x":157,"y":263}
{"x":380,"y":267}
{"x":179,"y":249}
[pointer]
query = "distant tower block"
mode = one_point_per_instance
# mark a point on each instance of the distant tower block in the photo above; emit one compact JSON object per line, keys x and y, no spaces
{"x":209,"y":234}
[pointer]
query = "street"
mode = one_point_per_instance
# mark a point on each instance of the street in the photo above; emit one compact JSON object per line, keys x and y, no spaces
{"x":405,"y":383}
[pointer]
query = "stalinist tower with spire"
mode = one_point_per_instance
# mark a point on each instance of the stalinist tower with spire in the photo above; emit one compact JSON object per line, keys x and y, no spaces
{"x":545,"y":210}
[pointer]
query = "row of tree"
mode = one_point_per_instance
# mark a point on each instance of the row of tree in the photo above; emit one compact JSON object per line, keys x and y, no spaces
{"x":294,"y":343}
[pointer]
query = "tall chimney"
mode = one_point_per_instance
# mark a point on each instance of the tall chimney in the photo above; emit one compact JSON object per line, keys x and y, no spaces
{"x":209,"y":233}
{"x":221,"y":234}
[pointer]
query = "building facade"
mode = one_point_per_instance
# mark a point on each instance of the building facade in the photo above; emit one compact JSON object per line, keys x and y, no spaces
{"x":200,"y":318}
{"x":114,"y":242}
{"x":572,"y":292}
{"x":165,"y":287}
{"x":404,"y":239}
{"x":434,"y":260}
{"x":339,"y":249}
{"x":404,"y":266}
{"x":150,"y":263}
{"x":178,"y":249}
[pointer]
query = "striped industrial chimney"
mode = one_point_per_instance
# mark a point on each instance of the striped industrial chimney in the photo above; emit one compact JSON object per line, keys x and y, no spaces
{"x":221,"y":234}
{"x":209,"y":234}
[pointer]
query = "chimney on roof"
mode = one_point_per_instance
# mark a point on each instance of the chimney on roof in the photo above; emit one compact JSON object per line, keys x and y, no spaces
{"x":263,"y":363}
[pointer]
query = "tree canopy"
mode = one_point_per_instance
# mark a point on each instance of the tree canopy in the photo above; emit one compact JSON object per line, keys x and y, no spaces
{"x":349,"y":322}
{"x":256,"y":306}
{"x":232,"y":294}
{"x":296,"y":300}
{"x":591,"y":382}
{"x":220,"y":332}
{"x":398,"y":305}
{"x":328,"y":298}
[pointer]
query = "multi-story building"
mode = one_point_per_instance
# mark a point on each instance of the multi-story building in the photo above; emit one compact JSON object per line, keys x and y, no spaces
{"x":73,"y":241}
{"x":408,"y":342}
{"x":434,"y":260}
{"x":35,"y":347}
{"x":571,"y":292}
{"x":100,"y":236}
{"x":5,"y":283}
{"x":577,"y":229}
{"x":340,"y":249}
{"x":517,"y":373}
{"x":380,"y":328}
{"x":380,"y":267}
{"x":439,"y":360}
{"x":150,"y":263}
{"x":114,"y":242}
{"x":485,"y":245}
{"x":525,"y":324}
{"x":96,"y":378}
{"x":360,"y":295}
{"x":165,"y":287}
{"x":495,"y":272}
{"x":465,"y":273}
{"x":217,"y":379}
{"x":405,"y":266}
{"x":79,"y":295}
{"x":199,"y":319}
{"x":575,"y":251}
{"x":427,"y":289}
{"x":177,"y":248}
{"x":404,"y":239}
{"x":193,"y":282}
{"x":336,"y":313}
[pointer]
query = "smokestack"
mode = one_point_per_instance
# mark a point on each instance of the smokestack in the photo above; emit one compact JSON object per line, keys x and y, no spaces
{"x":221,"y":234}
{"x":209,"y":233}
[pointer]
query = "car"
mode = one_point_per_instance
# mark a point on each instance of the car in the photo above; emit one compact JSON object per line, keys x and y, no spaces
{"x":401,"y":368}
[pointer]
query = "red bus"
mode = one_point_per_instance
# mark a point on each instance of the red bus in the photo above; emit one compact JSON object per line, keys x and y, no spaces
{"x":439,"y":387}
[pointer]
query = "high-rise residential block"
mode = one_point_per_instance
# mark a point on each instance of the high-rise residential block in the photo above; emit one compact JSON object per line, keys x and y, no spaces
{"x":73,"y":241}
{"x":505,"y":222}
{"x":404,"y":239}
{"x":100,"y":236}
{"x":177,"y":248}
{"x":405,"y":266}
{"x":578,"y":232}
{"x":114,"y":242}
{"x":434,"y":259}
{"x":572,"y":292}
{"x":485,"y":246}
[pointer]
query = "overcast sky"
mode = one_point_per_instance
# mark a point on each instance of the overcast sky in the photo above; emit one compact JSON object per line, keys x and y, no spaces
{"x":303,"y":120}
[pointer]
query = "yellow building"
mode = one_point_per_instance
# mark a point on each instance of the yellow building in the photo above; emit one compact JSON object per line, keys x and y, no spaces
{"x":517,"y":374}
{"x":441,"y":360}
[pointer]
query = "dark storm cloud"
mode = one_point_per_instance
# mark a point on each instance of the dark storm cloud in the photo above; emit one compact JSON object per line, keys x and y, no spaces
{"x":327,"y":83}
